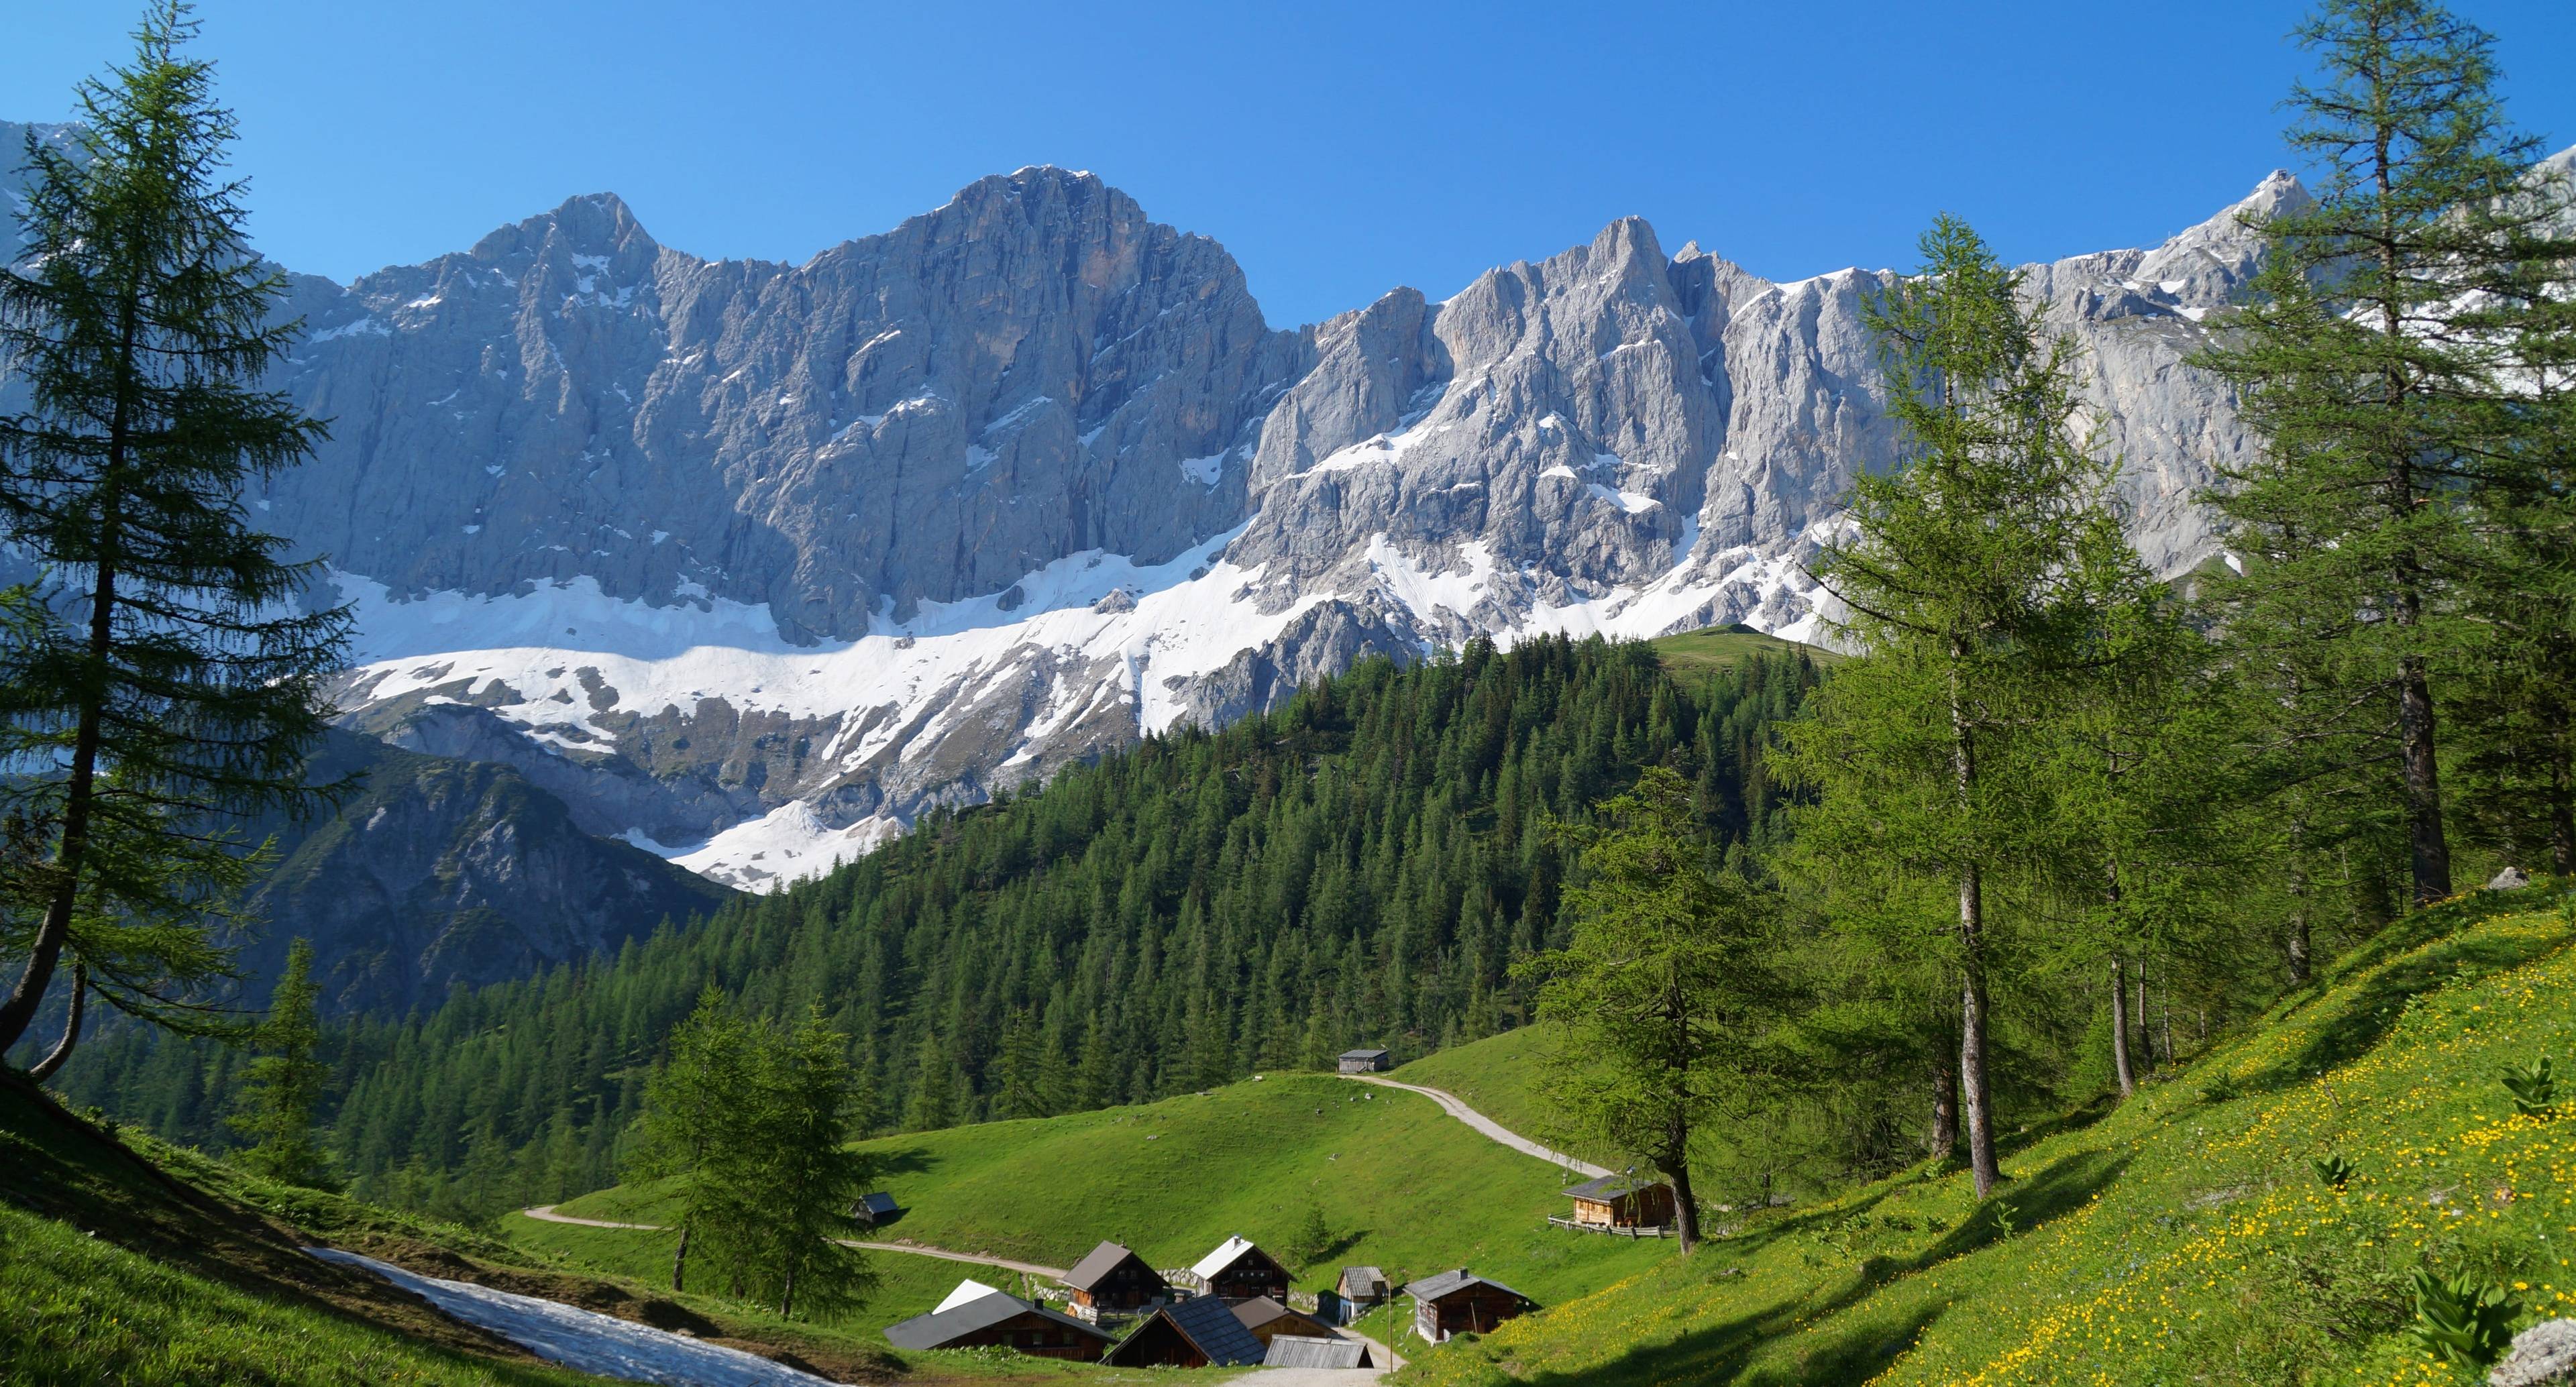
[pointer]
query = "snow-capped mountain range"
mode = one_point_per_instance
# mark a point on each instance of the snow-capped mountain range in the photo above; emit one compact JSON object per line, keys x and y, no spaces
{"x":751,"y":563}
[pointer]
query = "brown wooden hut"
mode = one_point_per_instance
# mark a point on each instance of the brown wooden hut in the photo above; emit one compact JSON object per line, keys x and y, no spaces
{"x":1195,"y":1333}
{"x":1113,"y":1280}
{"x":1622,"y":1201}
{"x":1268,"y":1319}
{"x":1238,"y":1271}
{"x":1460,"y":1302}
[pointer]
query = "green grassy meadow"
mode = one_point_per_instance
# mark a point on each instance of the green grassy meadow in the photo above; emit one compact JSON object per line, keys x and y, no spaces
{"x":2183,"y":1238}
{"x":1694,"y":654}
{"x":1401,"y":1184}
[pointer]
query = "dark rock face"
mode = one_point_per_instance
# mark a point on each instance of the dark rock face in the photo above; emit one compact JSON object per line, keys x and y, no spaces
{"x":440,"y":872}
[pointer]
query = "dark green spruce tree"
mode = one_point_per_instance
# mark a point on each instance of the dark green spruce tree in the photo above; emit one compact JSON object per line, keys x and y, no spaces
{"x":2373,"y":362}
{"x":161,"y":685}
{"x":282,"y":1088}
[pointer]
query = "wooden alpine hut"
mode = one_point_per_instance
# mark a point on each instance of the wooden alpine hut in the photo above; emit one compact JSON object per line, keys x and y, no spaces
{"x":1238,"y":1271}
{"x":1197,"y":1333}
{"x":1111,"y":1279}
{"x":1461,"y":1302}
{"x":977,"y":1316}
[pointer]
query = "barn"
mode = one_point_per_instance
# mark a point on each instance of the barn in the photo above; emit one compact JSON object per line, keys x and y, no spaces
{"x":1196,"y":1333}
{"x":1111,"y":1279}
{"x":1238,"y":1271}
{"x":1622,"y":1201}
{"x":1460,"y":1302}
{"x":1366,"y":1061}
{"x":977,"y":1316}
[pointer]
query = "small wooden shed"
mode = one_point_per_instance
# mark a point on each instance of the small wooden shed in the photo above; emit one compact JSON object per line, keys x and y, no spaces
{"x":1238,"y":1271}
{"x":1362,"y":1285}
{"x":1460,"y":1302}
{"x":1112,"y":1279}
{"x":1196,"y":1333}
{"x":875,"y":1209}
{"x":1622,"y":1201}
{"x":998,"y":1319}
{"x":1366,"y":1061}
{"x":1268,"y":1319}
{"x":1297,"y":1351}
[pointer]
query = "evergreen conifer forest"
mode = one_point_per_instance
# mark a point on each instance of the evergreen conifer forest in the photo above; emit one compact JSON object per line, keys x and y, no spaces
{"x":1360,"y":867}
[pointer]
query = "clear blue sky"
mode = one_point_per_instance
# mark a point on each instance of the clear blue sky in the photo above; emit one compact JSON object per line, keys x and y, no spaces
{"x":1338,"y":150}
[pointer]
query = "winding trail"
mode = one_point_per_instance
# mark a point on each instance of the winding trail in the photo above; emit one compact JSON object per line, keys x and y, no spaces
{"x":1456,"y":1107}
{"x":545,"y":1213}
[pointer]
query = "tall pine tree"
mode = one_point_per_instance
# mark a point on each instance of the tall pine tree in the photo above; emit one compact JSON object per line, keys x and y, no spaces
{"x":163,"y":684}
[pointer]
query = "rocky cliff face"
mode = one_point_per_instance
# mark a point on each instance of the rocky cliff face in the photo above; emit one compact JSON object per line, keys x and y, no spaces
{"x":750,"y":563}
{"x":441,"y":873}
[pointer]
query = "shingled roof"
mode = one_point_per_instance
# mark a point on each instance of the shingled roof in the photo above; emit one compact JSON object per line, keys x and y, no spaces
{"x":946,"y":1326}
{"x":1434,"y":1287}
{"x":1099,"y":1262}
{"x":1227,"y":1254}
{"x":1610,"y":1187}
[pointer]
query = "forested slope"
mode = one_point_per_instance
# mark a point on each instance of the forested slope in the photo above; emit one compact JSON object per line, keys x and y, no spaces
{"x":1357,"y":867}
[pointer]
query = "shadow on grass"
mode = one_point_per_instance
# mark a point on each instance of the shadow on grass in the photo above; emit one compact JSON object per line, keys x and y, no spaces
{"x":2359,"y":1021}
{"x":1856,"y":1351}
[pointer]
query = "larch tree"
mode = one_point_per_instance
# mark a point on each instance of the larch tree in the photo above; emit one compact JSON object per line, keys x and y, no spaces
{"x":161,"y":683}
{"x":2373,"y":362}
{"x":1972,"y":583}
{"x":1663,"y":999}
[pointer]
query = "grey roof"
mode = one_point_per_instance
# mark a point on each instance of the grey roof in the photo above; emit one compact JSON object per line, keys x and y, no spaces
{"x":1366,"y":1276}
{"x":1099,"y":1262}
{"x":1363,"y":1054}
{"x":1434,"y":1287}
{"x":878,"y":1202}
{"x":1261,"y":1310}
{"x":947,"y":1326}
{"x":1299,"y":1351}
{"x":1210,"y":1323}
{"x":1613,"y":1186}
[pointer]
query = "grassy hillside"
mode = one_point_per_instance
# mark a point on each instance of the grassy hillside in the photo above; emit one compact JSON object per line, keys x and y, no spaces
{"x":126,"y":1260}
{"x":111,"y":1271}
{"x":1497,"y":1076}
{"x":2182,"y":1238}
{"x":1694,"y":655}
{"x":1401,"y":1184}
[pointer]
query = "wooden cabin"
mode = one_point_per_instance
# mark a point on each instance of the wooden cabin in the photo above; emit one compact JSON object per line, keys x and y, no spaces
{"x":1366,"y":1061}
{"x":977,"y":1316}
{"x":1111,"y":1279}
{"x":1268,"y":1319}
{"x":1460,"y":1302}
{"x":1622,"y":1201}
{"x":875,"y":1209}
{"x":1196,"y":1333}
{"x":1362,"y":1286}
{"x":1238,"y":1271}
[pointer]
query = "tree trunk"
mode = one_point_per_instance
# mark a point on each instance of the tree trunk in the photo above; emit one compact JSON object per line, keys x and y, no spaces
{"x":72,"y":853}
{"x":2120,"y":1032}
{"x":787,"y":1295}
{"x":71,"y":1026}
{"x":1945,"y":1107}
{"x":1972,"y":965}
{"x":2140,"y":1020}
{"x":1685,"y":1204}
{"x":680,"y":1262}
{"x":2297,"y":942}
{"x":2428,"y":851}
{"x":1977,"y":1099}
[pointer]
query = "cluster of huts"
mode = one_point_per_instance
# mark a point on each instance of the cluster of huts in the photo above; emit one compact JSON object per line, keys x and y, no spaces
{"x":1229,"y":1309}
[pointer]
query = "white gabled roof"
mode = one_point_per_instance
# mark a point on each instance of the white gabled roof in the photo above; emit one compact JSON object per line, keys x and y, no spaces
{"x":967,"y":1293}
{"x":1227,"y":1254}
